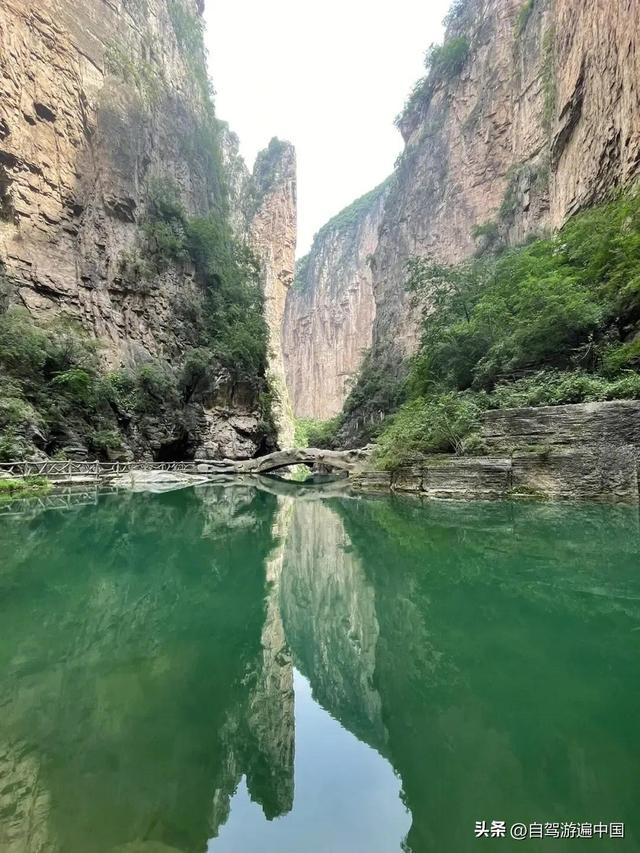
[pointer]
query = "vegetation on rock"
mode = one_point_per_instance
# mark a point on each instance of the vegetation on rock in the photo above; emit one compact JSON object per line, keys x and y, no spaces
{"x":29,"y":487}
{"x":555,"y":321}
{"x":350,"y":216}
{"x":310,"y":432}
{"x":234,"y":328}
{"x":443,"y":62}
{"x":524,"y":14}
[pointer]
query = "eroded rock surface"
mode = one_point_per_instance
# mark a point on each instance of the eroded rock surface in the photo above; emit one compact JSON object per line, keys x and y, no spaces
{"x":272,"y":224}
{"x":331,"y":309}
{"x":543,"y":120}
{"x":100,"y":102}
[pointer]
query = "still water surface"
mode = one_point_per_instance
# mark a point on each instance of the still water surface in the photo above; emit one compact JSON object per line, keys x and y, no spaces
{"x":228,"y":671}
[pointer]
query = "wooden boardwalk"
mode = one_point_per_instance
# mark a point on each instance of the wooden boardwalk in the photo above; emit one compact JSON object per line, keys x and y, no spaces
{"x":67,"y":469}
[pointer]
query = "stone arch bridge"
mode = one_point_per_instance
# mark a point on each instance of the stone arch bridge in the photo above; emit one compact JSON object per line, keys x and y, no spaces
{"x":314,"y":458}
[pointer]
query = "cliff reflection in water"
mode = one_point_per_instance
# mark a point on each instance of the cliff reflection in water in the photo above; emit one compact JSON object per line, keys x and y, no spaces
{"x":486,"y":654}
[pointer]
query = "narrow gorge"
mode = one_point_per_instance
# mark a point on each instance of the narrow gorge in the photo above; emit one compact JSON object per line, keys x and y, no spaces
{"x":151,"y":305}
{"x":129,"y":220}
{"x":536,"y":118}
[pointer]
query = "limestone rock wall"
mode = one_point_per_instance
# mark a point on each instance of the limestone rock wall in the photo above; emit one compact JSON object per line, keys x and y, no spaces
{"x":99,"y":101}
{"x":331,"y":309}
{"x":544,"y":119}
{"x":588,"y":451}
{"x":96,"y":101}
{"x":272,"y":224}
{"x":541,"y":120}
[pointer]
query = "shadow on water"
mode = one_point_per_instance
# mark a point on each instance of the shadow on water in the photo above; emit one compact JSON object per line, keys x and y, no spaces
{"x":178,"y":670}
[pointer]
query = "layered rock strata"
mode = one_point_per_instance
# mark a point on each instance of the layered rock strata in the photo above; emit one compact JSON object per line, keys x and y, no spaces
{"x":331,"y":309}
{"x":586,"y":452}
{"x":272,"y":224}
{"x":531,"y":114}
{"x":100,"y":102}
{"x":542,"y":120}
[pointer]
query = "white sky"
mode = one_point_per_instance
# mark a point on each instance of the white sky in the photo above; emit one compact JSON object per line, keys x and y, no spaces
{"x":330,"y":80}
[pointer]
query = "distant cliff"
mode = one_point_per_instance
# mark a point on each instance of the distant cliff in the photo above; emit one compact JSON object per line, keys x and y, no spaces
{"x":537,"y":117}
{"x":528,"y":112}
{"x":109,"y":149}
{"x":330,"y":310}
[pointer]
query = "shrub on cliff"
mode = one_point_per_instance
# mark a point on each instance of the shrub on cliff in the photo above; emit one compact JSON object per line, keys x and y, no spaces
{"x":568,"y":302}
{"x":443,"y":62}
{"x":234,"y":325}
{"x":441,"y":424}
{"x":552,"y":322}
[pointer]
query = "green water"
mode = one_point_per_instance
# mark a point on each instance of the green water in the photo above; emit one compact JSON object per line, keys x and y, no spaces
{"x":225,"y":670}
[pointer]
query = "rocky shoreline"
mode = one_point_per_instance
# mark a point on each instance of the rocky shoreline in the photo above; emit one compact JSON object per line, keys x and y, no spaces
{"x":588,"y":451}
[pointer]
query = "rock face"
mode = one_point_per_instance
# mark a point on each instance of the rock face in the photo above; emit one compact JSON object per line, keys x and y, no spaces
{"x":540,"y":119}
{"x":331,"y":310}
{"x":272,"y":227}
{"x":589,"y":452}
{"x":99,"y":101}
{"x":543,"y":120}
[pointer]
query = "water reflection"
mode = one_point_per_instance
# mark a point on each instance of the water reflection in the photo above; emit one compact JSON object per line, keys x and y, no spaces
{"x":347,"y":795}
{"x":231,"y":670}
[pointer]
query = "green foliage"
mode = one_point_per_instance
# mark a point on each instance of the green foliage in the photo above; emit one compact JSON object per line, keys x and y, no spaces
{"x":187,"y":27}
{"x":561,"y":301}
{"x":617,"y":358}
{"x":456,"y":14}
{"x":236,"y":328}
{"x":376,"y":391}
{"x":164,"y":227}
{"x":136,"y":71}
{"x":552,"y":322}
{"x":105,"y":439}
{"x":310,"y":432}
{"x":75,"y":383}
{"x":553,"y":388}
{"x":27,"y":487}
{"x":265,"y":172}
{"x":232,"y":316}
{"x":12,"y":445}
{"x":524,"y":14}
{"x":197,"y":372}
{"x":302,"y":271}
{"x":5,"y":290}
{"x":189,"y":31}
{"x":488,"y":235}
{"x":352,"y":215}
{"x":155,"y":385}
{"x":438,"y":424}
{"x":443,"y":62}
{"x":447,"y":60}
{"x":135,"y":270}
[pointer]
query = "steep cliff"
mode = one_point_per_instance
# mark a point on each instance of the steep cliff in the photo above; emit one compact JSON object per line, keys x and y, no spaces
{"x":527,"y":114}
{"x":272,"y":223}
{"x":330,"y":310}
{"x":536,"y":117}
{"x":121,"y":196}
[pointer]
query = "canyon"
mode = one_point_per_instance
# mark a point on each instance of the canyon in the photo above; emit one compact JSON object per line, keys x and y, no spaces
{"x":100,"y":102}
{"x":330,"y":310}
{"x":536,"y":119}
{"x":524,"y":118}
